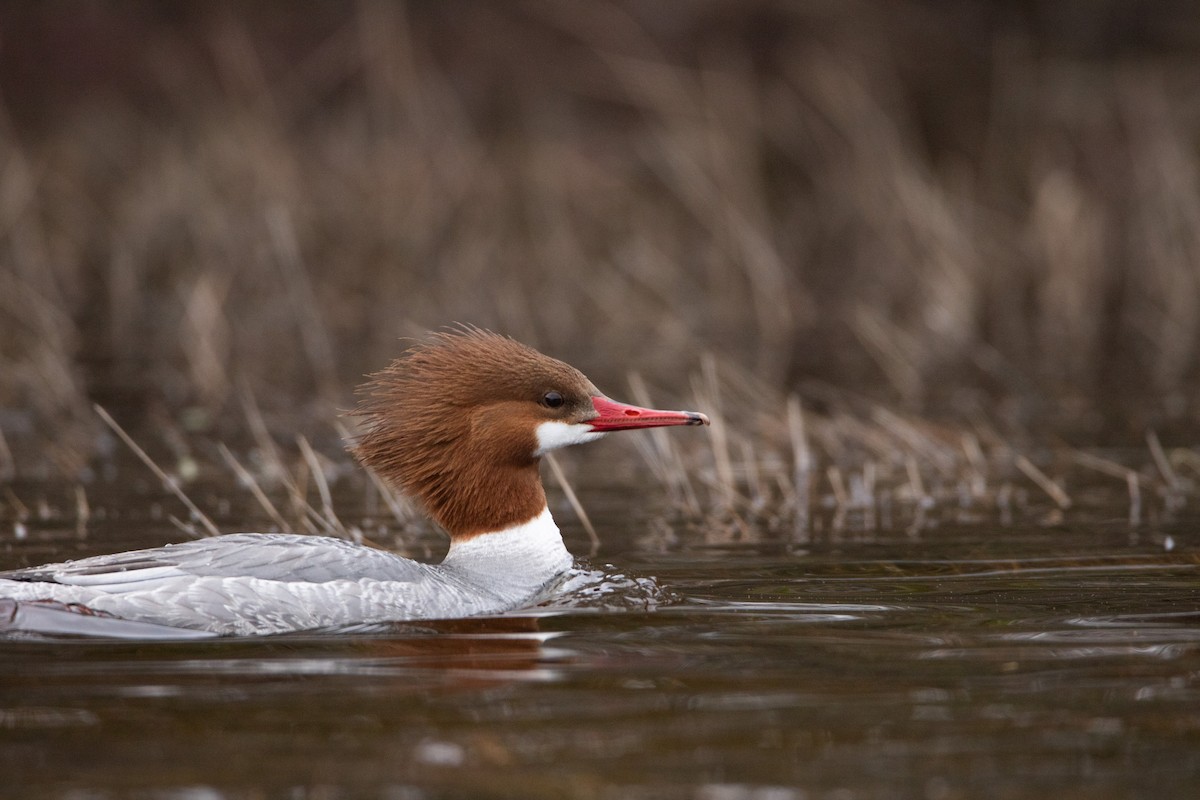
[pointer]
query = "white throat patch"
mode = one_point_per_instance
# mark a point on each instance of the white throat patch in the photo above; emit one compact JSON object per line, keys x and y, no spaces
{"x":553,"y":435}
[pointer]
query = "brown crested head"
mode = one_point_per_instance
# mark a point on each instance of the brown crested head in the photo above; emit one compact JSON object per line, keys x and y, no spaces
{"x":454,"y":423}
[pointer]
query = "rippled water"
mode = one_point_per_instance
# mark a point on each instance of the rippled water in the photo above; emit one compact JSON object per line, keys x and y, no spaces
{"x":984,"y":661}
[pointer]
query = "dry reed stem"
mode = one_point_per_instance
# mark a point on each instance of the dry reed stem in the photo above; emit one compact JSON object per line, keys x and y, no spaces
{"x":838,"y":485}
{"x":8,"y":466}
{"x":1182,"y":457}
{"x":21,"y":510}
{"x":915,"y":482}
{"x":573,"y":499}
{"x":399,"y":506}
{"x":249,"y":482}
{"x":940,"y":455}
{"x":83,"y":511}
{"x":296,"y":484}
{"x":330,"y":517}
{"x":168,"y":484}
{"x":309,"y":518}
{"x":888,"y":348}
{"x":661,"y":454}
{"x":1135,"y":499}
{"x":802,"y":464}
{"x":1055,"y":492}
{"x":708,"y":396}
{"x":273,"y":462}
{"x":1161,"y":461}
{"x":398,"y":509}
{"x":977,"y":462}
{"x":187,"y":528}
{"x":1104,"y":465}
{"x":868,"y":500}
{"x":753,"y":478}
{"x":206,"y":334}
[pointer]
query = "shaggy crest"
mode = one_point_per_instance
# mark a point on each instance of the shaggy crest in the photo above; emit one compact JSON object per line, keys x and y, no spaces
{"x":452,"y":423}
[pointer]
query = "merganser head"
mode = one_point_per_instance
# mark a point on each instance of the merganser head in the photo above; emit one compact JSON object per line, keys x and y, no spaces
{"x":460,"y":422}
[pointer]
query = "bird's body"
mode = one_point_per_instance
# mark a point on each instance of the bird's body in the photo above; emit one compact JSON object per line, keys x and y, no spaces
{"x":460,"y":423}
{"x":255,"y":583}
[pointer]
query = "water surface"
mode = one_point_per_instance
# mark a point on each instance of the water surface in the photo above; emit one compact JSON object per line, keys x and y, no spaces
{"x":955,"y":662}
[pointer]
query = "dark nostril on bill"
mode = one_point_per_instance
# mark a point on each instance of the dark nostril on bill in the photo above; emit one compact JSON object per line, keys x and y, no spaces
{"x":629,"y":412}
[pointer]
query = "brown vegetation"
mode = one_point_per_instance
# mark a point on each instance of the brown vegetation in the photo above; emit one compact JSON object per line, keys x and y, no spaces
{"x":983,"y":214}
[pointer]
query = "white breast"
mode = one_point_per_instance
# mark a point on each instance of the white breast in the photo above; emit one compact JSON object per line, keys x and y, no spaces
{"x":514,"y":564}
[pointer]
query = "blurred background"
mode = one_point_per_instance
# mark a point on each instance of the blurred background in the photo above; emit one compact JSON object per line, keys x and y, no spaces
{"x":929,"y":266}
{"x":981,"y":214}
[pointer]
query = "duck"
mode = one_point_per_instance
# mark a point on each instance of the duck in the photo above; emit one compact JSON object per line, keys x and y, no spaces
{"x":460,"y":423}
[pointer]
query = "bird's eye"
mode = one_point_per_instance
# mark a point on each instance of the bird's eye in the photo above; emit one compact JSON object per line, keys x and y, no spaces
{"x":552,"y":400}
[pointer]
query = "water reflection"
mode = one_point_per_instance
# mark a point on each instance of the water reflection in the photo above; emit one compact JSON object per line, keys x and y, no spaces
{"x":983,"y":663}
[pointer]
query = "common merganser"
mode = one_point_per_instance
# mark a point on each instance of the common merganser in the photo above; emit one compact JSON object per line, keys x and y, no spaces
{"x":459,"y":422}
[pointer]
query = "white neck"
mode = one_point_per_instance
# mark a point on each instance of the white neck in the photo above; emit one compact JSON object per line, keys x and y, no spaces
{"x":515,"y":562}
